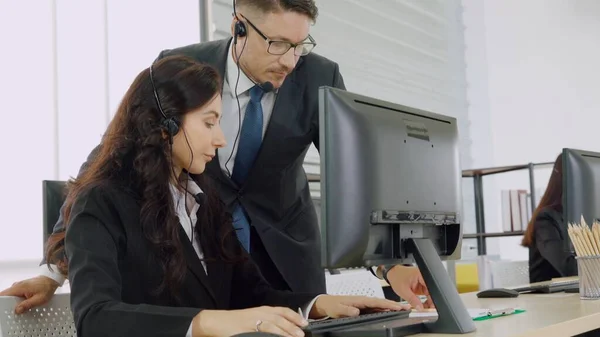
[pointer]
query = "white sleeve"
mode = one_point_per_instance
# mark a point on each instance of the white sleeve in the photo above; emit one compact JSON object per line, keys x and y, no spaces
{"x":52,"y":273}
{"x":189,"y":332}
{"x":308,"y":307}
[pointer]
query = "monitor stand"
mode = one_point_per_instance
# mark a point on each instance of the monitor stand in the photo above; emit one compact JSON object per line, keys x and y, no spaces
{"x":453,"y":317}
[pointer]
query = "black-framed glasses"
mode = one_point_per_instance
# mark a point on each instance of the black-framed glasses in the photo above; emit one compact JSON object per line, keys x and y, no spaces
{"x":278,"y":47}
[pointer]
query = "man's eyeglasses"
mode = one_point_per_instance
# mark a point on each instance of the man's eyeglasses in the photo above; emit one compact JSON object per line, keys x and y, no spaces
{"x":281,"y":47}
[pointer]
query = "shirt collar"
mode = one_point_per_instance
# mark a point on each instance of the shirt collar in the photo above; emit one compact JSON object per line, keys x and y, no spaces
{"x":244,"y":83}
{"x":179,"y":195}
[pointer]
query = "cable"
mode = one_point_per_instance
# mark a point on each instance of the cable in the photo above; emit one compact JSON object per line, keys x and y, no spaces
{"x":186,"y":185}
{"x":237,"y":81}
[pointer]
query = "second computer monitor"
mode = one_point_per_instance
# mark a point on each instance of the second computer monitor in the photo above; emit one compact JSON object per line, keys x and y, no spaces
{"x":388,"y":173}
{"x":581,"y":188}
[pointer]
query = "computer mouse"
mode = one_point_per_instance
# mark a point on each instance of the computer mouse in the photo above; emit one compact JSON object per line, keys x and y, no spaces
{"x":497,"y":293}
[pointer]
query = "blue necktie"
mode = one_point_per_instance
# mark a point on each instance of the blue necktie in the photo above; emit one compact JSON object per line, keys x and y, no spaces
{"x":249,"y":144}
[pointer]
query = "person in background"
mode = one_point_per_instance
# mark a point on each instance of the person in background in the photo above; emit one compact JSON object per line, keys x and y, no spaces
{"x":150,"y":248}
{"x":270,"y":119}
{"x":544,"y":237}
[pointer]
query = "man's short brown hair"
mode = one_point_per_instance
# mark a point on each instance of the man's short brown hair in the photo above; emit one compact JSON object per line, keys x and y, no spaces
{"x":305,"y":7}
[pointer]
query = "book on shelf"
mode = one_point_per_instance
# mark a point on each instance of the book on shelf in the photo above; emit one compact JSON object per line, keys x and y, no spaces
{"x":516,"y":209}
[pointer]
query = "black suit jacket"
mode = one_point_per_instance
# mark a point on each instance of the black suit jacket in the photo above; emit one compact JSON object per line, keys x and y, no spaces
{"x":276,"y":195}
{"x":113,"y":274}
{"x":547,"y":257}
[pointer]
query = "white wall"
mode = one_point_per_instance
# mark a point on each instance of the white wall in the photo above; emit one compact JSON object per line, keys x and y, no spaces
{"x":532,"y":70}
{"x":65,"y":66}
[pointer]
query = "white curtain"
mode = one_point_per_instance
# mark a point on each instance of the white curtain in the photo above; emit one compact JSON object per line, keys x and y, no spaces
{"x":65,"y":66}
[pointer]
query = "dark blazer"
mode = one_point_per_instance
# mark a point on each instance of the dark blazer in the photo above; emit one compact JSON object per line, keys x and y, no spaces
{"x":113,"y":274}
{"x":276,"y":195}
{"x":547,"y":257}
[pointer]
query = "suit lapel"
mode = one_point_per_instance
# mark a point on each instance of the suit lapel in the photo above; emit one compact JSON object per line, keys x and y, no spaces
{"x":194,"y":264}
{"x":213,"y":168}
{"x":217,"y":57}
{"x":217,"y":272}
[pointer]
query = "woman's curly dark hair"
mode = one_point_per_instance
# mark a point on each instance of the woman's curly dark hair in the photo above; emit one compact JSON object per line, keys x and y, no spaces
{"x":135,"y":153}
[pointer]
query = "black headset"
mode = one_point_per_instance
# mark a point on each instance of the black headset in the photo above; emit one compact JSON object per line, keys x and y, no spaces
{"x":171,"y":124}
{"x":239,"y":28}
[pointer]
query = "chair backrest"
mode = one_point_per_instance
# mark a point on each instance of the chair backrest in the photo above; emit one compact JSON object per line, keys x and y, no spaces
{"x":54,"y":196}
{"x":354,"y":282}
{"x":509,"y":273}
{"x":52,"y":319}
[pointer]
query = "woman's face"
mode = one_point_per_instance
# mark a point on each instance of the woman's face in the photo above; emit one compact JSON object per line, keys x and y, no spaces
{"x":199,"y":136}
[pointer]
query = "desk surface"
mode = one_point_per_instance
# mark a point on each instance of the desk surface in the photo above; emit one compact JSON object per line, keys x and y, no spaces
{"x":547,"y":315}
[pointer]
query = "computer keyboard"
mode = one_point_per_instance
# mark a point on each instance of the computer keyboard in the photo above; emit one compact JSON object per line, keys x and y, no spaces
{"x":334,"y":323}
{"x":549,"y":286}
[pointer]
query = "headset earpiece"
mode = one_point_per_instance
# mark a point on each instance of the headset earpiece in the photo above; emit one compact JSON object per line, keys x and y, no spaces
{"x":240,"y":29}
{"x":171,"y":125}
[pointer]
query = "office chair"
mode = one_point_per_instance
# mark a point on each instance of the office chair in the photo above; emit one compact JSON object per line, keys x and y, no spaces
{"x":54,"y":195}
{"x":51,"y":319}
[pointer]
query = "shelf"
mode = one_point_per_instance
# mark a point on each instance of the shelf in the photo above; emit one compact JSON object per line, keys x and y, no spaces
{"x":492,"y":235}
{"x":315,"y":177}
{"x":500,"y":169}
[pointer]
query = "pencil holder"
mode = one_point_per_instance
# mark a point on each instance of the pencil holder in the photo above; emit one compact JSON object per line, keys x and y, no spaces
{"x":589,"y":277}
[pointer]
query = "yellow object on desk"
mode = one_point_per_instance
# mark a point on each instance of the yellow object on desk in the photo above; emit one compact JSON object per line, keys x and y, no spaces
{"x":467,"y":277}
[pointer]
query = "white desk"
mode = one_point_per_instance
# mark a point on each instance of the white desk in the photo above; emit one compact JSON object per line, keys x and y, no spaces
{"x":547,"y":315}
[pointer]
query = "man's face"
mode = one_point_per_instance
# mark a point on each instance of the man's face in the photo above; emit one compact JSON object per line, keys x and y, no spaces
{"x":265,"y":61}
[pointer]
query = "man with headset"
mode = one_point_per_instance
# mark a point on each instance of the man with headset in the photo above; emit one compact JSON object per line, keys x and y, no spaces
{"x":270,"y":118}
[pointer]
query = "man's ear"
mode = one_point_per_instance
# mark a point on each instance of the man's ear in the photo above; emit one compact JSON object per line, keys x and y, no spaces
{"x":233,"y":21}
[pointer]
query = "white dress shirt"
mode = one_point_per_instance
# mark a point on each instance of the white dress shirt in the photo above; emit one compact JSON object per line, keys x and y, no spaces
{"x":186,"y":209}
{"x":232,"y":116}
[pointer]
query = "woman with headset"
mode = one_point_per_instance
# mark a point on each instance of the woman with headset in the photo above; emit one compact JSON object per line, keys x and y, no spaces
{"x":149,"y":248}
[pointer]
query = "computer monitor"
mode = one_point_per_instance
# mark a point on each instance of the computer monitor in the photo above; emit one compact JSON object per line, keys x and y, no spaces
{"x":581,"y":189}
{"x":391,"y":192}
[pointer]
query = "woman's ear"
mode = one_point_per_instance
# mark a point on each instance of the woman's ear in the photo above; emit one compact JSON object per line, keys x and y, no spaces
{"x":164,"y":134}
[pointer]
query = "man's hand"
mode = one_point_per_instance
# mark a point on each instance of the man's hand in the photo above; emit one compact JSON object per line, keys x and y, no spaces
{"x":36,"y":291}
{"x":407,"y":283}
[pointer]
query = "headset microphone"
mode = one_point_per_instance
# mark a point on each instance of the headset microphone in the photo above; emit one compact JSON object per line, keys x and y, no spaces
{"x":200,"y":198}
{"x":266,"y":86}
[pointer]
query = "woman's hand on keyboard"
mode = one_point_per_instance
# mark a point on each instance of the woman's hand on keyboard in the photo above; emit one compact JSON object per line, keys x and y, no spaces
{"x":275,"y":320}
{"x":348,"y":306}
